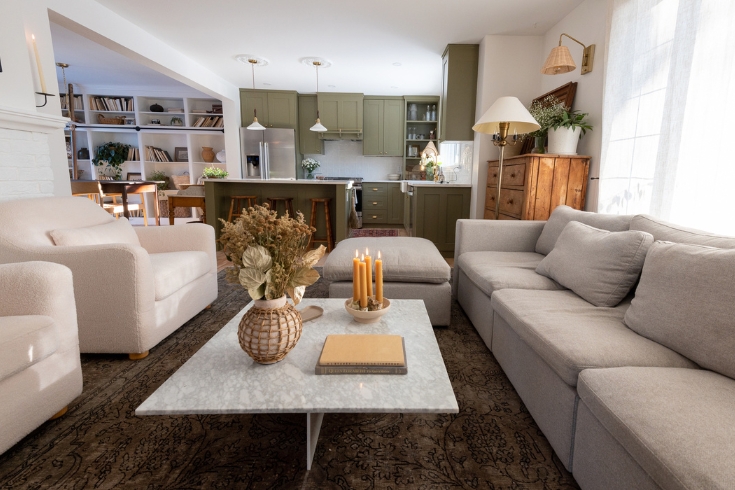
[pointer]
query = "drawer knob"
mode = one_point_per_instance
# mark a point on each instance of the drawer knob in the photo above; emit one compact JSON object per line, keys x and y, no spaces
{"x":510,"y":201}
{"x":512,"y":175}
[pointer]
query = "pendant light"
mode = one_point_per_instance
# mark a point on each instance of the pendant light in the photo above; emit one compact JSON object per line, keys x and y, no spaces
{"x":318,"y":126}
{"x":255,"y":126}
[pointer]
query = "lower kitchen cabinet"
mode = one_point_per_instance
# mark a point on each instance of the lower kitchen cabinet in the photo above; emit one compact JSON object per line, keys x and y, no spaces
{"x":436,"y":212}
{"x":382,"y":203}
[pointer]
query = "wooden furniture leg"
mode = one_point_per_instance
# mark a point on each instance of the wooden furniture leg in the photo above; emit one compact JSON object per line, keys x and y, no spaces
{"x":156,"y":207}
{"x":170,"y":212}
{"x":60,"y":413}
{"x":139,"y":356}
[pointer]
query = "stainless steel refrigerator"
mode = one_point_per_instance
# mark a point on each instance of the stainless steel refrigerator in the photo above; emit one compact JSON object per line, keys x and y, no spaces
{"x":269,"y":154}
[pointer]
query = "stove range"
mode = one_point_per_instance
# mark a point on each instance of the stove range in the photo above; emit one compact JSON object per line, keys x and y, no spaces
{"x":357,"y":180}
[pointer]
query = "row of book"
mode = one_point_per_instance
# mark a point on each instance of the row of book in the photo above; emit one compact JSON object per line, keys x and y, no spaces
{"x":111,"y":104}
{"x":78,"y":103}
{"x":209,"y":122}
{"x":133,"y":155}
{"x":154,"y":154}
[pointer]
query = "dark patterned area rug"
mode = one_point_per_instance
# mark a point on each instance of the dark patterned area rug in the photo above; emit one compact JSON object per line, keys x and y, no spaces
{"x":372,"y":232}
{"x":493,"y":443}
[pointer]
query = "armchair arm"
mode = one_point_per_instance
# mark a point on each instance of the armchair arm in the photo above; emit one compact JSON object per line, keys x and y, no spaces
{"x":114,"y":291}
{"x":41,"y":288}
{"x":189,"y":237}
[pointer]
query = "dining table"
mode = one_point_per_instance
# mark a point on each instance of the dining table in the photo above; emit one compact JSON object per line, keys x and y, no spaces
{"x":123,"y":188}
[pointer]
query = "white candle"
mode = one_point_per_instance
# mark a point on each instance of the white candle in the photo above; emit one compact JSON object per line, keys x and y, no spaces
{"x":38,"y":64}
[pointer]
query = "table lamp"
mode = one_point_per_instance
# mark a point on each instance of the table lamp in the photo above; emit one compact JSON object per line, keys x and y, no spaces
{"x":506,"y":115}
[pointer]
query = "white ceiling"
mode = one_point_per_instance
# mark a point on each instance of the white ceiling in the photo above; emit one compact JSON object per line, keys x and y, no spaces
{"x":363,"y":40}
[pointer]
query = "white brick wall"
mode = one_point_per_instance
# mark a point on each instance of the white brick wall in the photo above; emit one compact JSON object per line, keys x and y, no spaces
{"x":25,"y":165}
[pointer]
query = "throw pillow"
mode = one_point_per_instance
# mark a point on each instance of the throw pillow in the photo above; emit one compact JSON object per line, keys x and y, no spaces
{"x":561,"y":215}
{"x":600,"y":266}
{"x":686,"y":301}
{"x":117,"y":231}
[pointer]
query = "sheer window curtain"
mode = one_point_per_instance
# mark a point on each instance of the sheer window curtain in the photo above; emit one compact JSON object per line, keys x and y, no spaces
{"x":668,"y":125}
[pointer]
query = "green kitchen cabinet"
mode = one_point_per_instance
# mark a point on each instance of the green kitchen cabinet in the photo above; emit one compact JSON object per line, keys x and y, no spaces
{"x":383,"y":126}
{"x":341,"y":114}
{"x":309,"y":142}
{"x":276,"y":108}
{"x":395,"y":204}
{"x":459,"y":91}
{"x":437,"y":210}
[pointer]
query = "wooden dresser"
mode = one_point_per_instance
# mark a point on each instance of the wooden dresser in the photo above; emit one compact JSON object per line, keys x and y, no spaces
{"x":534,"y":184}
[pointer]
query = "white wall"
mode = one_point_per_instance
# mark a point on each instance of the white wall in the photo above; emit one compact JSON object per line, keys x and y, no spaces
{"x":588,"y":23}
{"x":508,"y":65}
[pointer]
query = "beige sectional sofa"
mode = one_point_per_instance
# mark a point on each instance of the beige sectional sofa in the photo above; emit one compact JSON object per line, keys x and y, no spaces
{"x":635,"y":395}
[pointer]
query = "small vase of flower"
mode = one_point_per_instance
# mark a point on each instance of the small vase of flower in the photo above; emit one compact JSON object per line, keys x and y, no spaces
{"x":309,"y":164}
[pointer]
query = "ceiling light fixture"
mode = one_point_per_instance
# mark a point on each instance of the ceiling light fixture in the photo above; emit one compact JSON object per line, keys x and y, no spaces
{"x":254,"y":60}
{"x":560,"y":59}
{"x":316,"y":63}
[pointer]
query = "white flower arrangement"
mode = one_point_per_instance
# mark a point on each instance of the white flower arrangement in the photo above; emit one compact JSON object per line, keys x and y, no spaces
{"x":309,"y":164}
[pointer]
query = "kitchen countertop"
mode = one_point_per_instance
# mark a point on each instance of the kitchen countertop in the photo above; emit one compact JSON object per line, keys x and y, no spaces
{"x":418,"y":183}
{"x":285,"y":181}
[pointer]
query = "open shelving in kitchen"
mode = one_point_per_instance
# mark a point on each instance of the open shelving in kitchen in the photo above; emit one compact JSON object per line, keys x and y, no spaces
{"x":422,"y":121}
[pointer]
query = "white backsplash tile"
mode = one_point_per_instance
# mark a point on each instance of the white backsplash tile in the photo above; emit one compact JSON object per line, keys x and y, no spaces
{"x":345,"y":159}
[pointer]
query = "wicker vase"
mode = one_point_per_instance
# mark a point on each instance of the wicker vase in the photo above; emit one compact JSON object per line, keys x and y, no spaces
{"x":269,"y":330}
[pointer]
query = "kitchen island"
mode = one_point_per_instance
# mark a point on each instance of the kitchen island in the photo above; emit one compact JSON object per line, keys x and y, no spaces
{"x":217,"y":193}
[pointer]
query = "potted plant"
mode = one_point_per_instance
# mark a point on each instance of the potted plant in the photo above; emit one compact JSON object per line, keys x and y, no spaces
{"x":162,"y":179}
{"x":270,"y":260}
{"x":565,"y":132}
{"x":214,"y":173}
{"x":546,"y":112}
{"x":112,"y":155}
{"x":309,"y":164}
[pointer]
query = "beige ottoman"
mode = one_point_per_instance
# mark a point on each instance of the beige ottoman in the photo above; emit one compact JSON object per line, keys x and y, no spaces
{"x":413,"y":268}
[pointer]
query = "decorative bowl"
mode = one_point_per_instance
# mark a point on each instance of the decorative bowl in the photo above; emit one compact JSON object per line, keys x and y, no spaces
{"x":394,"y":176}
{"x":367,"y":316}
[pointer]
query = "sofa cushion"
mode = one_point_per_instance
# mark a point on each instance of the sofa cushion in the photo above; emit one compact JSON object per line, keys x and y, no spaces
{"x":405,"y":259}
{"x":25,"y":340}
{"x":686,"y":301}
{"x":599,"y":265}
{"x":669,"y":232}
{"x":492,"y":271}
{"x":174,"y":270}
{"x":677,"y":424}
{"x":570,"y":334}
{"x":117,"y":231}
{"x":561,"y":215}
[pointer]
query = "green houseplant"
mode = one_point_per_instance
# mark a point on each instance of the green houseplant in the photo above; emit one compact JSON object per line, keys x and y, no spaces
{"x":112,"y":155}
{"x":566,"y":131}
{"x":214,"y":173}
{"x":547,"y":112}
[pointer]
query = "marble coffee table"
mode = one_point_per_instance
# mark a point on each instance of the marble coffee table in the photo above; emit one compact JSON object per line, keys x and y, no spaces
{"x":221,"y":379}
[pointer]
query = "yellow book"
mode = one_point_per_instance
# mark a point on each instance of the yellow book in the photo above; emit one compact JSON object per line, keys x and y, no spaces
{"x":363,"y":350}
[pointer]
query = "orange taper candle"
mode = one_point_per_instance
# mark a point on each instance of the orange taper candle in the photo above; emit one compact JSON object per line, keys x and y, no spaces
{"x":363,"y":286}
{"x":379,"y":279}
{"x":369,"y":270}
{"x":356,"y":278}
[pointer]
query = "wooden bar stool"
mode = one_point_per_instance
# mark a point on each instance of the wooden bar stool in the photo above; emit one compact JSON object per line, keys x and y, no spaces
{"x":329,"y":240}
{"x":237,"y":203}
{"x":287,"y":204}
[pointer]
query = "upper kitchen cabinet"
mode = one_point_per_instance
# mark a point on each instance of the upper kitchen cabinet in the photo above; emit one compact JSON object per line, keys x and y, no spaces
{"x":275,"y":108}
{"x":420,"y":129}
{"x":459,"y":92}
{"x":309,"y":142}
{"x":341,"y":114}
{"x":383,"y":126}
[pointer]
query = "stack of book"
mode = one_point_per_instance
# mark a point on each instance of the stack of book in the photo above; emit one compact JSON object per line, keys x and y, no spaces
{"x":363,"y":354}
{"x":111,"y":104}
{"x":78,"y":104}
{"x":154,"y":154}
{"x":208,"y":122}
{"x":133,"y":155}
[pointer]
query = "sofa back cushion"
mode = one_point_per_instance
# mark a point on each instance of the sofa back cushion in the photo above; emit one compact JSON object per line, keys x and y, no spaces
{"x":28,"y":222}
{"x":599,"y":265}
{"x":669,"y":232}
{"x":561,"y":215}
{"x":116,"y":231}
{"x":686,"y":301}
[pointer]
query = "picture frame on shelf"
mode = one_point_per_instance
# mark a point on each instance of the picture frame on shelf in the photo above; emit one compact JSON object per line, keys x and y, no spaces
{"x":181,"y":154}
{"x":134,"y":176}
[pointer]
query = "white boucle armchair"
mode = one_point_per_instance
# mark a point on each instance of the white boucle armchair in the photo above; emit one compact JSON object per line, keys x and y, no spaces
{"x":129,"y":296}
{"x":40,"y":371}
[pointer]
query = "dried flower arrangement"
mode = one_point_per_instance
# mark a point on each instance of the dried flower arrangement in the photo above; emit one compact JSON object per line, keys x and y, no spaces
{"x":547,"y":113}
{"x":269,"y":254}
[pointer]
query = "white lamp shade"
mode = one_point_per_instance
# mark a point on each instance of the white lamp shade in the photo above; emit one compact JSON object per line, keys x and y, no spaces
{"x":256,"y":126}
{"x":318,"y":127}
{"x":510,"y":110}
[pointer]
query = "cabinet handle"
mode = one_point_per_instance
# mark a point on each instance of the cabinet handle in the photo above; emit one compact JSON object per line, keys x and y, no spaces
{"x":375,"y":188}
{"x":375,"y":217}
{"x":375,"y":203}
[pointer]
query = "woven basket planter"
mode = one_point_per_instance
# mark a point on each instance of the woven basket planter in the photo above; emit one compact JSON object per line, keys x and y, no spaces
{"x":269,"y":330}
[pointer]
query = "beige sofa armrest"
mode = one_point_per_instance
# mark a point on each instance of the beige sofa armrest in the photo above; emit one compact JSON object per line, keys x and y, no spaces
{"x":40,"y":288}
{"x":182,"y":238}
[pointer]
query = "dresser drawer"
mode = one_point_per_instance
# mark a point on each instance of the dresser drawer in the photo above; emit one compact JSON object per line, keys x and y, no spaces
{"x":369,"y":189}
{"x":490,"y":193}
{"x":511,"y":202}
{"x":513,"y":175}
{"x":369,"y":216}
{"x":373,"y":204}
